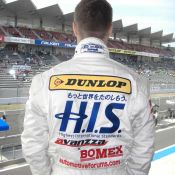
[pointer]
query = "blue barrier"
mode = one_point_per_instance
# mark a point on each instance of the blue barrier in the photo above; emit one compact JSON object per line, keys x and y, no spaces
{"x":3,"y":125}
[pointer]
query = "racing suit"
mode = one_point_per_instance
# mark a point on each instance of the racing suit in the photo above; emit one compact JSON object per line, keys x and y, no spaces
{"x":88,"y":116}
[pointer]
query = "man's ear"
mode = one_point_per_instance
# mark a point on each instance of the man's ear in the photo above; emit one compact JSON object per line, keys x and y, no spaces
{"x":74,"y":27}
{"x":110,"y":30}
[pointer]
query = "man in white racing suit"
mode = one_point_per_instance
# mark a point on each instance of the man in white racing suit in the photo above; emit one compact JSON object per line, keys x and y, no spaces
{"x":89,"y":115}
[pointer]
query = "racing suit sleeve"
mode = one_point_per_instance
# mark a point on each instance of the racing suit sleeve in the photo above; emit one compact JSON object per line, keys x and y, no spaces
{"x":35,"y":135}
{"x":143,"y":128}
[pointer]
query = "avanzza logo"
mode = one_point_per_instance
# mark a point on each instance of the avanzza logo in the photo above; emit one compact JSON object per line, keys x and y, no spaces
{"x":78,"y":143}
{"x":91,"y":83}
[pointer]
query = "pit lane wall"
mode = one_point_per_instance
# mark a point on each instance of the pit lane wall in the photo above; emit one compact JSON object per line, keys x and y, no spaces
{"x":22,"y":99}
{"x":69,"y":45}
{"x":13,"y":100}
{"x":19,"y":168}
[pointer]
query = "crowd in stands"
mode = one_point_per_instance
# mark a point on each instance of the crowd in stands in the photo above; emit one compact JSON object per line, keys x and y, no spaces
{"x":12,"y":31}
{"x":27,"y":32}
{"x":69,"y":38}
{"x":146,"y":66}
{"x":35,"y":58}
{"x":45,"y":58}
{"x":158,"y":72}
{"x":1,"y":32}
{"x":38,"y":34}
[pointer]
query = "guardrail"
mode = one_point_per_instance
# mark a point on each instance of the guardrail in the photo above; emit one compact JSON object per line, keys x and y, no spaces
{"x":161,"y":88}
{"x":13,"y":100}
{"x":10,"y":152}
{"x":166,"y":114}
{"x":154,"y":89}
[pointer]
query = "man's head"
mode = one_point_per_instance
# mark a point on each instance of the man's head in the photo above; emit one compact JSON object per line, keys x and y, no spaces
{"x":93,"y":18}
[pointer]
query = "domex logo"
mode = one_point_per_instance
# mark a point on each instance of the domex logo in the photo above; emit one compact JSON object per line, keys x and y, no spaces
{"x":80,"y":116}
{"x":92,"y":48}
{"x":92,"y":83}
{"x":101,"y":153}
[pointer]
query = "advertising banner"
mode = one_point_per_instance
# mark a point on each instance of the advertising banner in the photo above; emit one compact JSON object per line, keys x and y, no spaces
{"x":130,"y":52}
{"x":55,"y":44}
{"x":70,"y":45}
{"x":121,"y":51}
{"x":21,"y":68}
{"x":18,"y":40}
{"x":154,"y":55}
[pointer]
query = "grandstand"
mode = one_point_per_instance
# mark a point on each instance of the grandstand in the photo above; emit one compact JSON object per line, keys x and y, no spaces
{"x":31,"y":42}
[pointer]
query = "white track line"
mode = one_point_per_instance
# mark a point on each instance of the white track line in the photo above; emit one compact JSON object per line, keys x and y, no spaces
{"x":161,"y":130}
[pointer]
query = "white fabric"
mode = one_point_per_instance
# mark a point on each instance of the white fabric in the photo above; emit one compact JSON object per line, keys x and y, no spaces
{"x":131,"y":145}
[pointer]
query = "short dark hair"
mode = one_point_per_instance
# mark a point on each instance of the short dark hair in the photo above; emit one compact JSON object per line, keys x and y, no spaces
{"x":94,"y":17}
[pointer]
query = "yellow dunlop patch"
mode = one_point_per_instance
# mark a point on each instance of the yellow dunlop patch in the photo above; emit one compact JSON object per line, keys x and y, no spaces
{"x":90,"y":83}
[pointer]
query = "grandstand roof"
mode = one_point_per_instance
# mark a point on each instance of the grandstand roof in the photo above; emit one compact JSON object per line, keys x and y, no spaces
{"x":132,"y":29}
{"x":51,"y":11}
{"x":157,"y":35}
{"x":27,"y":8}
{"x":20,"y":8}
{"x":2,"y":2}
{"x":68,"y":18}
{"x":167,"y":38}
{"x":3,"y":10}
{"x":117,"y":26}
{"x":144,"y":33}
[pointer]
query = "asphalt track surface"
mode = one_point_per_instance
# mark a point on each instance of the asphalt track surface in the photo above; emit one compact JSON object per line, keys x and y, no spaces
{"x":164,"y":159}
{"x":164,"y":138}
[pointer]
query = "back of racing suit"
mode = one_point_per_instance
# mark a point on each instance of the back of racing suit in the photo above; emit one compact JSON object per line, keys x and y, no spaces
{"x":88,"y":116}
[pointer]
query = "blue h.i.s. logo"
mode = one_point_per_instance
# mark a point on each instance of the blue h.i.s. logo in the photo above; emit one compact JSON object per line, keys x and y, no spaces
{"x":79,"y":117}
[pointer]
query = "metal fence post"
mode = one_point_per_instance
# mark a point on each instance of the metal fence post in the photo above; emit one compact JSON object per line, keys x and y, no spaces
{"x":13,"y":152}
{"x":1,"y":153}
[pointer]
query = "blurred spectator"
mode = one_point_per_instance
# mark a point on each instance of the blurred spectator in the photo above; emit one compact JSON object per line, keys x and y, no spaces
{"x":155,"y":116}
{"x":4,"y":116}
{"x":170,"y":113}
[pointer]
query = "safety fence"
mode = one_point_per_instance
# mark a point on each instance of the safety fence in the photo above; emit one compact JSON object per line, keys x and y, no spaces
{"x":10,"y":152}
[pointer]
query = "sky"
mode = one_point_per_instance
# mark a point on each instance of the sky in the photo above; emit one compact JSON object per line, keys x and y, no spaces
{"x":157,"y":14}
